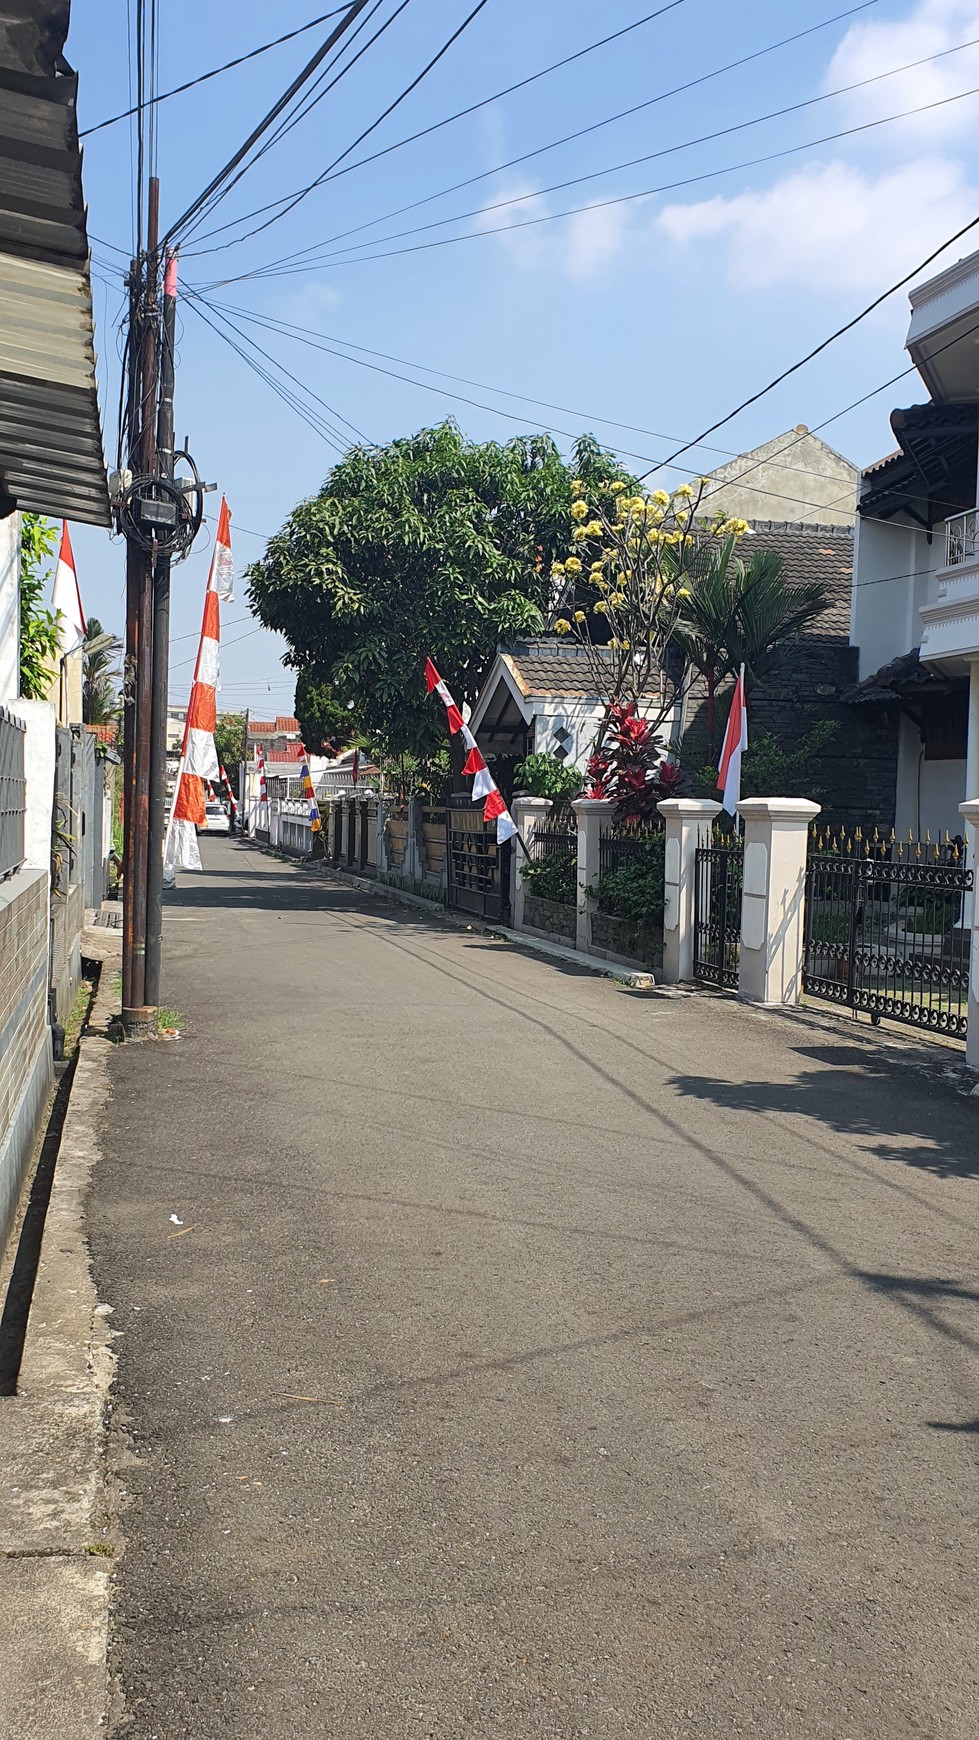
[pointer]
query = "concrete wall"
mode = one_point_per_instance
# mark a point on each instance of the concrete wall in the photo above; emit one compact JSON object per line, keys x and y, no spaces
{"x":9,"y":608}
{"x":796,"y":476}
{"x":26,"y":1069}
{"x":893,"y":577}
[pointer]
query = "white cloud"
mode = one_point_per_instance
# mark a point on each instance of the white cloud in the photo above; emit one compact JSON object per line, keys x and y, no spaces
{"x":832,"y":227}
{"x":306,"y":305}
{"x":593,"y":238}
{"x":526,"y":246}
{"x":875,"y":46}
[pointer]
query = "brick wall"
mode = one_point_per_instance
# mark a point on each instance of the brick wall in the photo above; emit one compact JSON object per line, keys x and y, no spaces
{"x":26,"y":1070}
{"x":857,"y":769}
{"x":67,"y":919}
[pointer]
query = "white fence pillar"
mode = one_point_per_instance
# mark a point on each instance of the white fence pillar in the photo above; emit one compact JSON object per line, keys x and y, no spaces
{"x":688,"y":825}
{"x":528,"y":813}
{"x":590,"y":813}
{"x":776,"y":839}
{"x":970,"y":810}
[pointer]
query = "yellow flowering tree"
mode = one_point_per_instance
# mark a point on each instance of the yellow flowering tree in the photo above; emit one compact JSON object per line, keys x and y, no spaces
{"x":620,"y":591}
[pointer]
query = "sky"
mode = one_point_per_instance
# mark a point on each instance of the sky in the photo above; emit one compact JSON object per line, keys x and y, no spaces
{"x":673,"y":289}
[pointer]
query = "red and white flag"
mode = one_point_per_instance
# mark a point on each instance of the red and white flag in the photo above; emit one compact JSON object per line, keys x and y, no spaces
{"x":484,"y":785}
{"x":735,"y":742}
{"x":199,"y":757}
{"x":222,"y":576}
{"x":66,"y":599}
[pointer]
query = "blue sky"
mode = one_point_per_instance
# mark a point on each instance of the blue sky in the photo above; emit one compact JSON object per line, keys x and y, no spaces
{"x":660,"y":312}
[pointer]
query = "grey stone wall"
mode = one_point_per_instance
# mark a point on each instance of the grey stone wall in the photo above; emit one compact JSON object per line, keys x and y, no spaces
{"x":26,"y":1069}
{"x":856,"y":776}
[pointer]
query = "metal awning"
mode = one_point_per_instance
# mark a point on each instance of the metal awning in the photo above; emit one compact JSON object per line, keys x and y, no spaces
{"x":51,"y":457}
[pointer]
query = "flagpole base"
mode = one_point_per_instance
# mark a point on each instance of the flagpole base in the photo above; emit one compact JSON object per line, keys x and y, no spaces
{"x":139,"y":1023}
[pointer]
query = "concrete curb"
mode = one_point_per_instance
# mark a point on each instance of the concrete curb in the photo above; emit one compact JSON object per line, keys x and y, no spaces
{"x":55,"y":1558}
{"x":633,"y":977}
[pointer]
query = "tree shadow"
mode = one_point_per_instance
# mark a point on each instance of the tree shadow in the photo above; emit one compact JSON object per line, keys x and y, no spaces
{"x":902,"y":1116}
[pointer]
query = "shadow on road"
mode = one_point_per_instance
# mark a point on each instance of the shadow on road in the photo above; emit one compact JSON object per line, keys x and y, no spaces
{"x":856,"y":1096}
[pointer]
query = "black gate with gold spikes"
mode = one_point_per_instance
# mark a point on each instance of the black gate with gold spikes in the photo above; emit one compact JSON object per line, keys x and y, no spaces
{"x":888,"y":927}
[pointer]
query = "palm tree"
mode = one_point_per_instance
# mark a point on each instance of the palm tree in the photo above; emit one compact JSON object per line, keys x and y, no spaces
{"x":740,"y":613}
{"x":100,"y":675}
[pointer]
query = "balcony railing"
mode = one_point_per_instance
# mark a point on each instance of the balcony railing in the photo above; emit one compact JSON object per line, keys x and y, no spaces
{"x":12,"y":793}
{"x":962,"y":538}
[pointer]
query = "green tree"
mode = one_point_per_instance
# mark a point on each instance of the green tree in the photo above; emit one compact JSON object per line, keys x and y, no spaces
{"x":100,"y":675}
{"x":323,"y":719}
{"x":38,"y":626}
{"x":430,"y":545}
{"x":739,"y":612}
{"x":229,"y":741}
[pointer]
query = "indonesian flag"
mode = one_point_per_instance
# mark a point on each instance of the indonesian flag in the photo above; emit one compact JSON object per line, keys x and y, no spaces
{"x":222,"y":576}
{"x":66,"y":599}
{"x":735,"y":742}
{"x":484,"y":785}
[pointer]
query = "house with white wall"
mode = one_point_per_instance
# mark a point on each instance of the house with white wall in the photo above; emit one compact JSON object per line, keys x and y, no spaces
{"x":539,"y":697}
{"x":915,"y":607}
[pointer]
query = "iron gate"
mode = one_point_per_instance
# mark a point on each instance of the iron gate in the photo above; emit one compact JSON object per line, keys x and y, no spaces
{"x":719,"y":873}
{"x":887,"y":930}
{"x":477,"y":869}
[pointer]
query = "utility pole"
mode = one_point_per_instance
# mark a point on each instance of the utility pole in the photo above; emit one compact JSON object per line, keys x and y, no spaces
{"x":159,"y":517}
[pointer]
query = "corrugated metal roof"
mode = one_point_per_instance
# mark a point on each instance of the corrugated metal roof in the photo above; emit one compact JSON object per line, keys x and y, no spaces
{"x":51,"y":458}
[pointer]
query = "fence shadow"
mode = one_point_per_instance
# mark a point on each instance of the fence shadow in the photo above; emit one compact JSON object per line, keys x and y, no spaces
{"x":909,"y":1120}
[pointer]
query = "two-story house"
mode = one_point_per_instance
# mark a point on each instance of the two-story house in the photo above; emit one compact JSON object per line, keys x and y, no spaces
{"x":915,"y":609}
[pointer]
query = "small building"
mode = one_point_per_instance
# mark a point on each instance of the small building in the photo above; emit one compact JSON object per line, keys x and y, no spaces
{"x":280,"y":738}
{"x":539,"y":697}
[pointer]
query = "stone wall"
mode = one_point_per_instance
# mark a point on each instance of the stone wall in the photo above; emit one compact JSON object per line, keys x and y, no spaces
{"x":26,"y":1069}
{"x":856,"y":775}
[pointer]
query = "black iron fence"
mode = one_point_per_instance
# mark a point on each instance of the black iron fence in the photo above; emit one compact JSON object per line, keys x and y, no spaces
{"x":13,"y":788}
{"x":888,"y":929}
{"x":719,"y":876}
{"x":477,"y":869}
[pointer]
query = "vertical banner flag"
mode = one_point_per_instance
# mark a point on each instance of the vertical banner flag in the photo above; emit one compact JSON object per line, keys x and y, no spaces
{"x":222,"y":576}
{"x":66,"y":599}
{"x":735,"y":741}
{"x":225,"y":781}
{"x":484,"y":785}
{"x":198,"y":757}
{"x":315,"y":825}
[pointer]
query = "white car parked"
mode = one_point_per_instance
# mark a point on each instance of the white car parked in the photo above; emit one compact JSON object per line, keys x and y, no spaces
{"x":215,"y":820}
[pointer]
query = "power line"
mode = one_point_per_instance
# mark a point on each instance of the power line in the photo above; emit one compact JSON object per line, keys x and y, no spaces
{"x":596,"y":205}
{"x":460,"y":114}
{"x":315,"y":95}
{"x":301,"y":78}
{"x":226,"y":66}
{"x":632,"y":162}
{"x":302,"y":194}
{"x":319,"y":424}
{"x":288,"y":329}
{"x":583,"y":132}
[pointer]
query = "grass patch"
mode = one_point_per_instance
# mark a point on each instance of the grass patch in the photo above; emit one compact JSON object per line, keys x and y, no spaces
{"x":101,"y":1550}
{"x":167,"y":1019}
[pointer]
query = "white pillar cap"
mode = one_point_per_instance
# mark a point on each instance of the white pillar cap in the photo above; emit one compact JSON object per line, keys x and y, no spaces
{"x":778,"y":809}
{"x":691,"y":809}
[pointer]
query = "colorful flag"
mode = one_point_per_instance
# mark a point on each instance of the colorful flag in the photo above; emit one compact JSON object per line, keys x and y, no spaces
{"x":222,"y":576}
{"x":314,"y":814}
{"x":66,"y":599}
{"x":735,"y":742}
{"x":198,"y":757}
{"x":484,"y":785}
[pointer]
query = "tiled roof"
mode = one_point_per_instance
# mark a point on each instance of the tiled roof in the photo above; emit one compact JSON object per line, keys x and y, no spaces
{"x":543,"y":673}
{"x":104,"y":733}
{"x":288,"y":752}
{"x":285,"y":724}
{"x":261,"y":728}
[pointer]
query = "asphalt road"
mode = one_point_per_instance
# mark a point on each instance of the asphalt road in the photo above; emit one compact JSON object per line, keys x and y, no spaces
{"x":535,"y":1358}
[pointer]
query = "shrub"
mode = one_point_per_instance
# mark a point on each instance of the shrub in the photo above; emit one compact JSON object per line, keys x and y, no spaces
{"x":553,"y":878}
{"x":633,"y":890}
{"x":546,"y":776}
